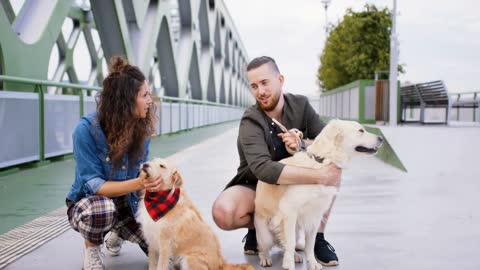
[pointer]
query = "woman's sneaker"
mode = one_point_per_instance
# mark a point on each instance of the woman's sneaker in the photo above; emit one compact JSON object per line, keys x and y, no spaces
{"x":114,"y":244}
{"x":324,"y":252}
{"x":250,"y":240}
{"x":93,"y":258}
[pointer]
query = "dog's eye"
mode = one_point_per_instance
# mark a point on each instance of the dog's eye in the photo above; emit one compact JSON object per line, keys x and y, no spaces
{"x":361,"y":130}
{"x":162,"y":166}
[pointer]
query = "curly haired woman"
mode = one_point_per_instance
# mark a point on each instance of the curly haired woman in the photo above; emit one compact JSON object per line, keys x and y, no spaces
{"x":109,"y":146}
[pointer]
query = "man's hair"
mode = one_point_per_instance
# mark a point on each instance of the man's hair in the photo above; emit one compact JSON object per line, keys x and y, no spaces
{"x":262,"y":60}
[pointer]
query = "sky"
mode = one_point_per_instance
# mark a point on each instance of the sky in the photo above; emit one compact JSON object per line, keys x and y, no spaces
{"x":439,"y":39}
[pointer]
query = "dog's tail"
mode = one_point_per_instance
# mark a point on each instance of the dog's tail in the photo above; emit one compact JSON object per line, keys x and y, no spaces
{"x":228,"y":266}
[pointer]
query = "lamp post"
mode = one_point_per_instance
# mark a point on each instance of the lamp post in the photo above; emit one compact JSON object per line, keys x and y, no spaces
{"x":393,"y":68}
{"x":325,"y":5}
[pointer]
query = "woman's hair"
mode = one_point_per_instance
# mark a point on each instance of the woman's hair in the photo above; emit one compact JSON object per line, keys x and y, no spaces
{"x":116,"y":111}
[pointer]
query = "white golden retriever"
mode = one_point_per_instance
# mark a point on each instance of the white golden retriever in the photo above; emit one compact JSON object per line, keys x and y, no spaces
{"x":281,"y":209}
{"x":180,"y":239}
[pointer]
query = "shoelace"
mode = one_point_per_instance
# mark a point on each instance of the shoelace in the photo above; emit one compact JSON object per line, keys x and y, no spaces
{"x":114,"y":241}
{"x":245,"y":237}
{"x":325,"y":243}
{"x":95,"y":256}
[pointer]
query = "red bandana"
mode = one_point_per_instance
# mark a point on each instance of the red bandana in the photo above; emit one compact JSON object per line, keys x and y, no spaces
{"x":159,"y":203}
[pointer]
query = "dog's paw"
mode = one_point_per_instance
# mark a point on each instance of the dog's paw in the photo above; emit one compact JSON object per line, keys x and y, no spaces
{"x":314,"y":266}
{"x":298,"y":258}
{"x":265,"y":262}
{"x":300,"y":245}
{"x":288,"y":263}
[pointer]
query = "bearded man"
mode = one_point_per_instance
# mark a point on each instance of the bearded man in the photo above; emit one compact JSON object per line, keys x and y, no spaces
{"x":261,"y":144}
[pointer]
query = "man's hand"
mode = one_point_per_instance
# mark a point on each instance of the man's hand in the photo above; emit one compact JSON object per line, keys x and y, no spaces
{"x":295,"y":175}
{"x":330,"y":175}
{"x":291,"y":140}
{"x":153,"y":185}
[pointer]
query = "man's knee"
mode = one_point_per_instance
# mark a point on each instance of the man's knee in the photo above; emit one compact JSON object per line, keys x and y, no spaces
{"x":223,"y":215}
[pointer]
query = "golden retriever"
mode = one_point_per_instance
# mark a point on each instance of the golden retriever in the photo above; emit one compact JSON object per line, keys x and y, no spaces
{"x":280,"y":210}
{"x":180,"y":239}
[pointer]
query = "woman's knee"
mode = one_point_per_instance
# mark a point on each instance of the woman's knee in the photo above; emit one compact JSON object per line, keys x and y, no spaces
{"x":94,"y":211}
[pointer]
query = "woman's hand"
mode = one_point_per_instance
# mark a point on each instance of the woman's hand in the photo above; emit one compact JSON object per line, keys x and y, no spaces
{"x":153,"y":184}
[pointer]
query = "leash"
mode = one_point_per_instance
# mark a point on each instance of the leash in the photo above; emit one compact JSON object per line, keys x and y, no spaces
{"x":299,"y":136}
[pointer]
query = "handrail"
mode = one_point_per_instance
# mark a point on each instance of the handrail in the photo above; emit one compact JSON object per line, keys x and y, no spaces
{"x":464,"y":93}
{"x":14,"y":79}
{"x":196,"y":101}
{"x":185,"y":109}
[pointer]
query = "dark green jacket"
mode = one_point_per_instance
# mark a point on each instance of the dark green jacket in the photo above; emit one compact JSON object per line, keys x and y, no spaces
{"x":255,"y":143}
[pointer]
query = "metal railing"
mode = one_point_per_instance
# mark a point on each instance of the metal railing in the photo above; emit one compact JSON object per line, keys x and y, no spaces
{"x":465,"y":107}
{"x":23,"y":130}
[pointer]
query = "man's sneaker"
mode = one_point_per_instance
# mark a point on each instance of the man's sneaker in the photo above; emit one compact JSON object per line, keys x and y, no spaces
{"x":114,"y":244}
{"x":324,"y":252}
{"x":92,"y":259}
{"x":250,"y":240}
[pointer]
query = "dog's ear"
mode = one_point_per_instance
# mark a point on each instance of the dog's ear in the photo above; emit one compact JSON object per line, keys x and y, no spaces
{"x":335,"y":132}
{"x":338,"y":140}
{"x":329,"y":143}
{"x":177,"y":179}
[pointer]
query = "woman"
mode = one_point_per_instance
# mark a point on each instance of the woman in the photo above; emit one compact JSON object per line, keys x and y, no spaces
{"x":109,"y":146}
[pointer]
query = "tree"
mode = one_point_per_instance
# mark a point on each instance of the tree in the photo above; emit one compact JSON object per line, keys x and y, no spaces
{"x":357,"y":47}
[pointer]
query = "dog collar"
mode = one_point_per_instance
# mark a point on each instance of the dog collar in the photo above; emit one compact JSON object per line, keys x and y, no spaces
{"x":159,"y":203}
{"x":302,"y":145}
{"x":315,"y":157}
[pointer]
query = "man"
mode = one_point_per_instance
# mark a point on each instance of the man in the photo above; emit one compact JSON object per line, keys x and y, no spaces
{"x":261,"y":144}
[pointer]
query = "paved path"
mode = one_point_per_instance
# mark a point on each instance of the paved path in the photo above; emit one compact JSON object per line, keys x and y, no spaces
{"x":32,"y":193}
{"x":383,"y":218}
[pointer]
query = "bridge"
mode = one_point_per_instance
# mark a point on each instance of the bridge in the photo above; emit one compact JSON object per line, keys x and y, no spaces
{"x":382,"y":215}
{"x":412,"y":206}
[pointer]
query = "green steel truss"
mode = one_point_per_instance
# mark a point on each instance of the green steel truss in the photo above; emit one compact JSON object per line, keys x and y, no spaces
{"x":187,"y":49}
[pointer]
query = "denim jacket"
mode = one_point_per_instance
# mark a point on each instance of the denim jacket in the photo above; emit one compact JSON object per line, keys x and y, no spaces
{"x":94,"y":166}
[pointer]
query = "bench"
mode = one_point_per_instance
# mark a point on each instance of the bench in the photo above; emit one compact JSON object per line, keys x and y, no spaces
{"x":424,"y":95}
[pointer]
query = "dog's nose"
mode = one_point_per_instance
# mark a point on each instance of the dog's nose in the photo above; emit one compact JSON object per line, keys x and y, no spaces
{"x":380,"y":139}
{"x":145,"y":165}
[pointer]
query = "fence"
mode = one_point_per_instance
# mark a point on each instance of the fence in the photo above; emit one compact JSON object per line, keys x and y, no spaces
{"x":38,"y":126}
{"x":465,"y":107}
{"x":354,"y":101}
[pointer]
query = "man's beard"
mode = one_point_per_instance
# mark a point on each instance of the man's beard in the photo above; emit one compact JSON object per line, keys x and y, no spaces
{"x":272,"y":105}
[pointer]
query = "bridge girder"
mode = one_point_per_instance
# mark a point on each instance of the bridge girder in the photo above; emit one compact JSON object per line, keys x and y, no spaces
{"x":187,"y":48}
